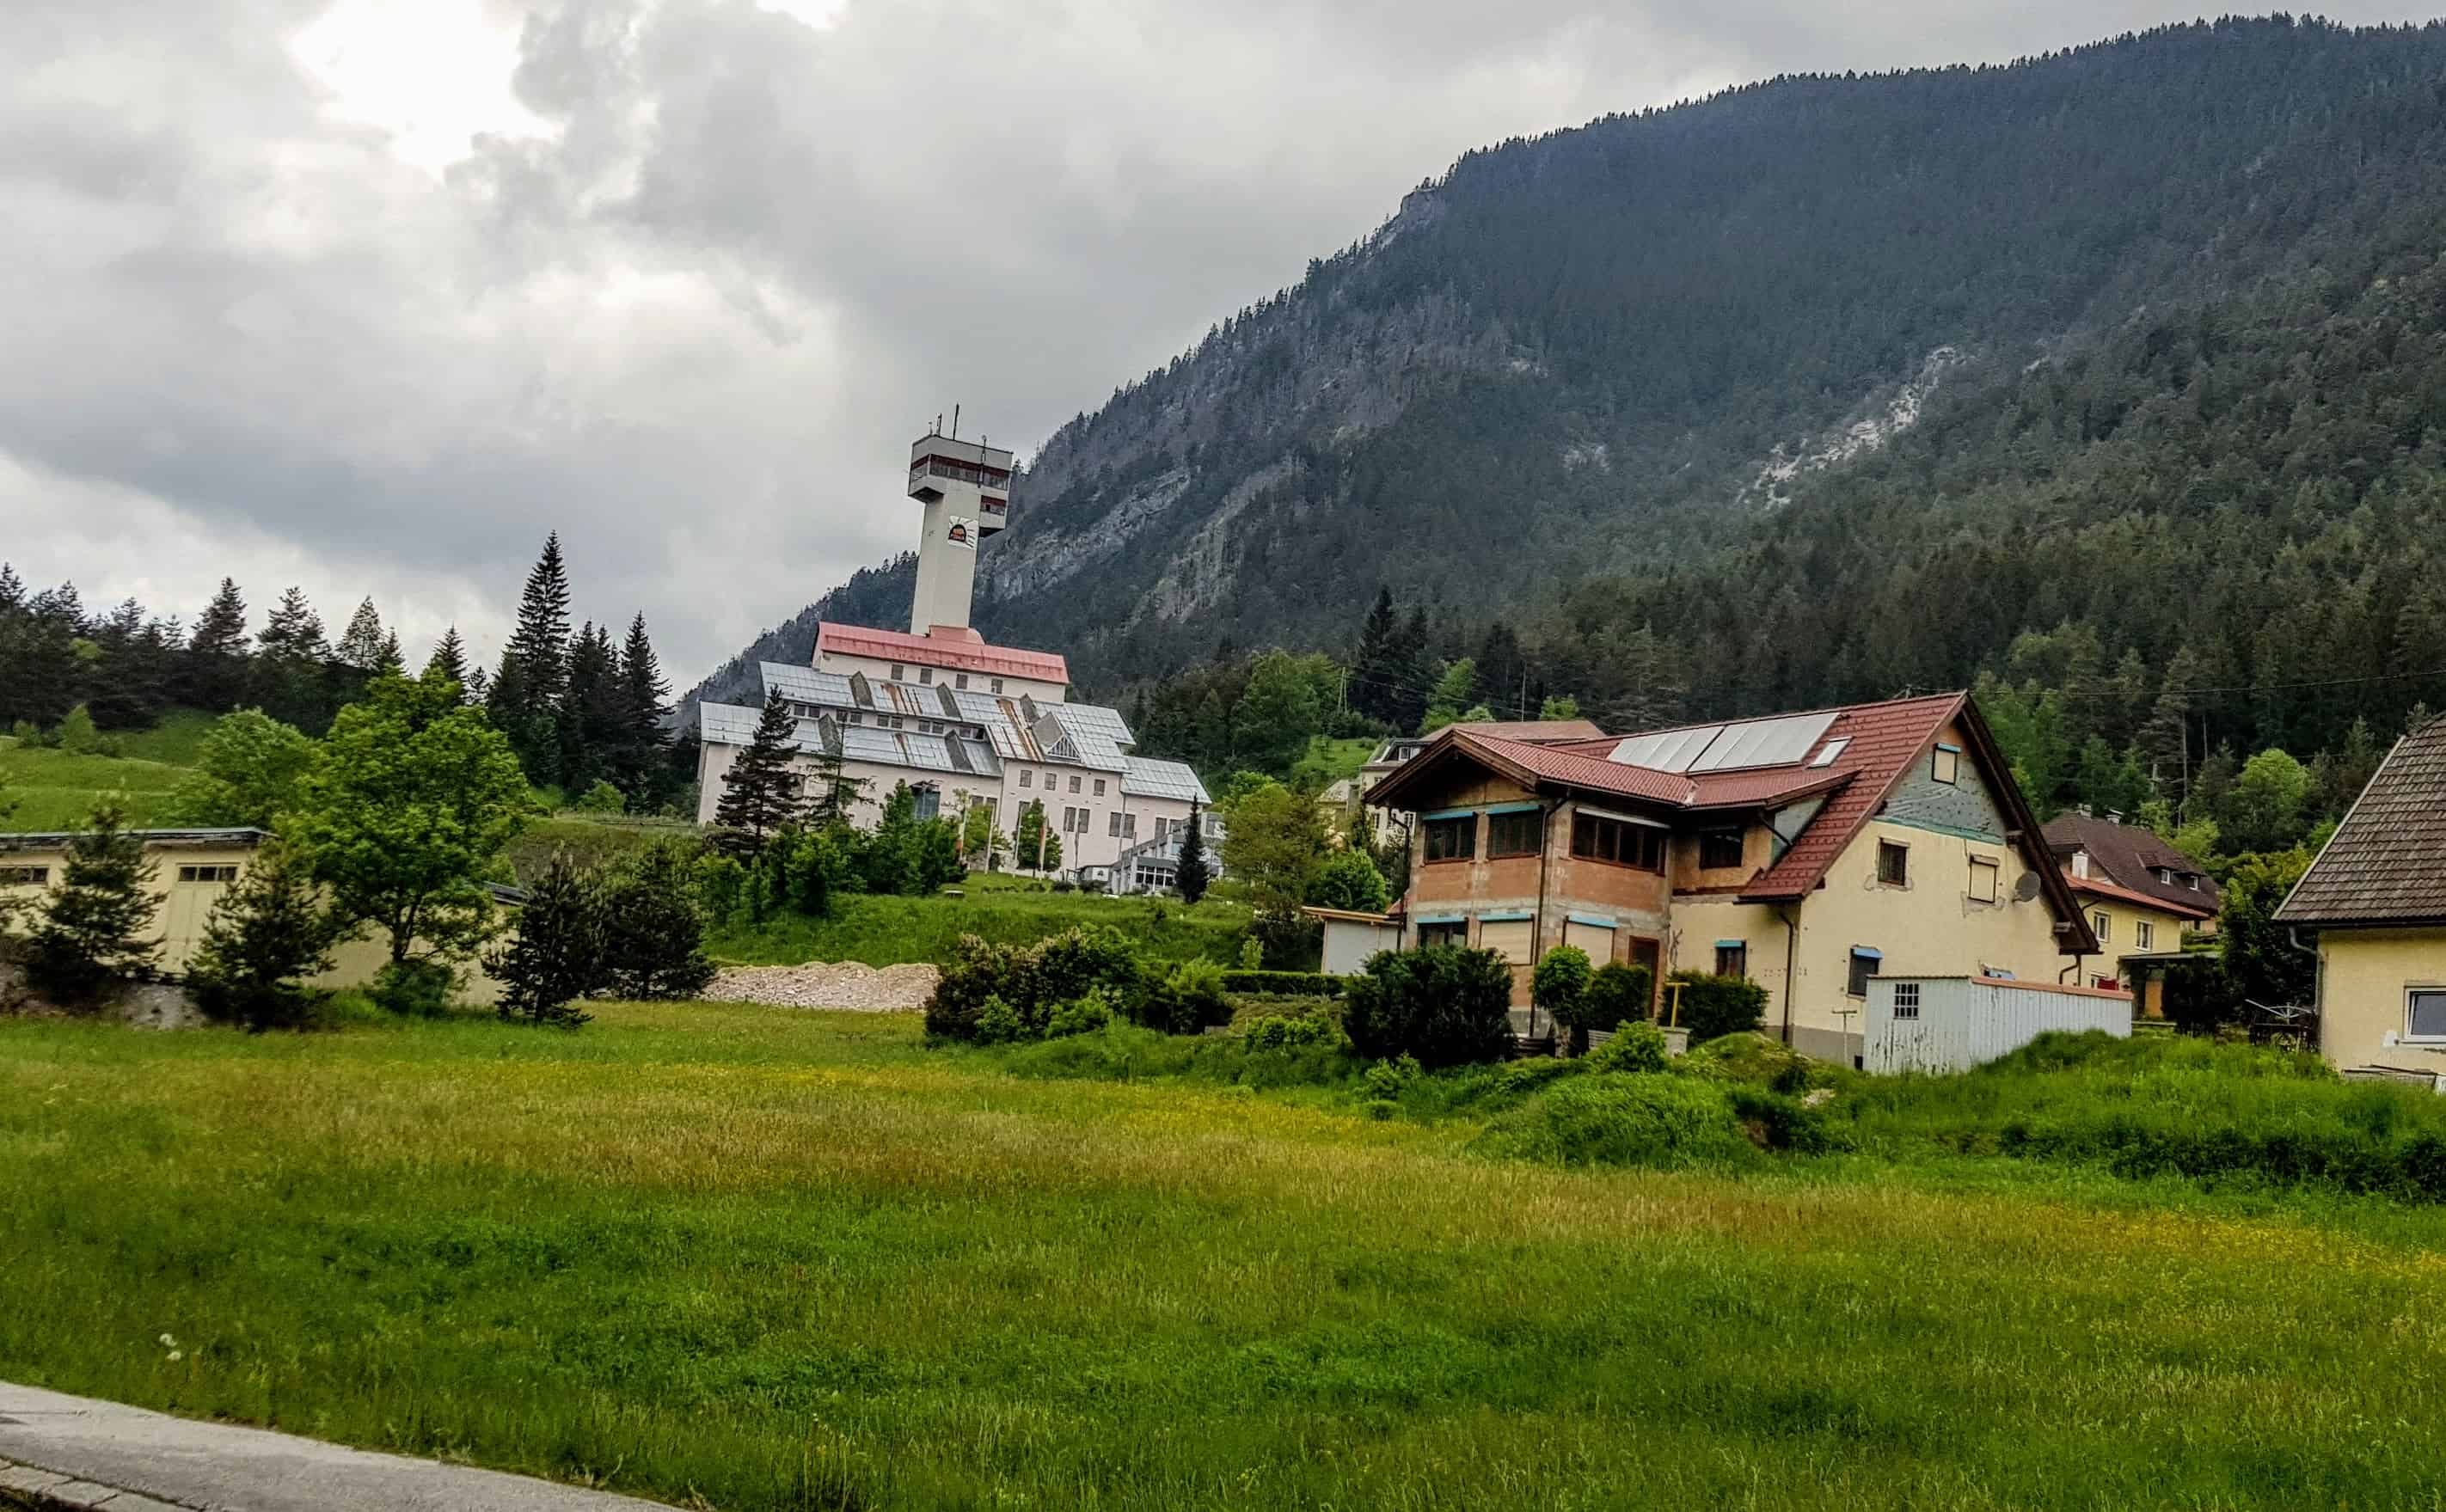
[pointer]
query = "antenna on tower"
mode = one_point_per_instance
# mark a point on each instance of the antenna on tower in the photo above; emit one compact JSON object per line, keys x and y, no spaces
{"x":955,"y":423}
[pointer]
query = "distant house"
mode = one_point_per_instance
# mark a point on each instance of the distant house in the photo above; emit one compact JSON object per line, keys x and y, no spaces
{"x":1808,"y":852}
{"x":2141,"y":896}
{"x":2376,"y":898}
{"x":192,"y":868}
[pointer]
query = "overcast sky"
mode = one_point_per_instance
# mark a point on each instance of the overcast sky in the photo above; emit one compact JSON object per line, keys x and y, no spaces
{"x":367,"y":296}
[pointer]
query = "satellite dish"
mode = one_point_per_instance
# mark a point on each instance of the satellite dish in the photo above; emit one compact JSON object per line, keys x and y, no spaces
{"x":2027,"y":889}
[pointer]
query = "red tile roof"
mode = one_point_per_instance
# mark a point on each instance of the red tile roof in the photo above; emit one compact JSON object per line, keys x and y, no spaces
{"x":1574,"y":769}
{"x":1539,"y":732}
{"x":2093,"y":888}
{"x":1881,"y":739}
{"x":1761,"y":788}
{"x":923,"y":650}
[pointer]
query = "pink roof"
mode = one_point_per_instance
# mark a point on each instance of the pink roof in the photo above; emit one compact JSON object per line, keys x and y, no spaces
{"x":966,"y":655}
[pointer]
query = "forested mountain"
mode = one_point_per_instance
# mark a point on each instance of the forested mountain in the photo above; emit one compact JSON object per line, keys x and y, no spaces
{"x":1822,"y":388}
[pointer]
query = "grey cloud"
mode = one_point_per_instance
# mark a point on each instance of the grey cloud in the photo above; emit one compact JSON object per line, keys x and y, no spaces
{"x":692,"y":325}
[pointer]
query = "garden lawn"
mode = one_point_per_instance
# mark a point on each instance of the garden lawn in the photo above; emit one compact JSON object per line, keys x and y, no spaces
{"x":889,"y":932}
{"x":753,"y":1258}
{"x":57,"y":790}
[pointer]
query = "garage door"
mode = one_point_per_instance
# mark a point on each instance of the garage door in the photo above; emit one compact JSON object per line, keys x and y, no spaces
{"x":1511,"y":938}
{"x":1597,"y":940}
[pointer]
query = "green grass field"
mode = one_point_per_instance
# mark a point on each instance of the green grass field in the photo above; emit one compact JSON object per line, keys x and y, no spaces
{"x":57,"y":790}
{"x":889,"y":931}
{"x":743,"y":1258}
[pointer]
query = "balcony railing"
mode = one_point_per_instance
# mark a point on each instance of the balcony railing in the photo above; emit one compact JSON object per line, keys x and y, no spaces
{"x":961,"y":472}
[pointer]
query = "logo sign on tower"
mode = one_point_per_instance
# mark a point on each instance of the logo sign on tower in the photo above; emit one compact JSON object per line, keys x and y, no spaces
{"x":963,"y":533}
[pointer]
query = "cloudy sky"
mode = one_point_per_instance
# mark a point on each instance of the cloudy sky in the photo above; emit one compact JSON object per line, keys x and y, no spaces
{"x":368,"y":295}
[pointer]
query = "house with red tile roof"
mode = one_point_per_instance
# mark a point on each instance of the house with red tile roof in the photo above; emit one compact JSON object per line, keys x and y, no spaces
{"x":1808,"y":852}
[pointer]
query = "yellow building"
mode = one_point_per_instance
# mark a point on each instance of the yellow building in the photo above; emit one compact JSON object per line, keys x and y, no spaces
{"x":192,"y":868}
{"x":1808,"y":853}
{"x":2375,"y":898}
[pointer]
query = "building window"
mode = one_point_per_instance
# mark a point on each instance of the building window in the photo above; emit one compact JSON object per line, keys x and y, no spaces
{"x":1099,"y":787}
{"x":1129,"y":826}
{"x":24,"y":876}
{"x":1074,"y":782}
{"x":1615,"y":842}
{"x":1985,"y":878}
{"x":1947,"y":766}
{"x":930,"y":802}
{"x":1718,"y":849}
{"x":1026,"y":777}
{"x":2102,"y":926}
{"x":997,"y":685}
{"x":1905,"y":1000}
{"x":1454,"y":932}
{"x":207,"y":874}
{"x":1732,"y":957}
{"x":1514,"y":834}
{"x":1894,"y":864}
{"x":1113,"y":822}
{"x":898,"y":671}
{"x":960,"y":681}
{"x":1452,"y":839}
{"x":2144,"y":933}
{"x":2424,"y":1013}
{"x":1864,"y":965}
{"x":2080,"y":864}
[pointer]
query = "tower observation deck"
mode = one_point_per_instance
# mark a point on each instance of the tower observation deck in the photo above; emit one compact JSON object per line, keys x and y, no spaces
{"x":965,"y":487}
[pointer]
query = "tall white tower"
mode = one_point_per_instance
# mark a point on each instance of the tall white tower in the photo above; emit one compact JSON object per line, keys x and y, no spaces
{"x":966,"y":489}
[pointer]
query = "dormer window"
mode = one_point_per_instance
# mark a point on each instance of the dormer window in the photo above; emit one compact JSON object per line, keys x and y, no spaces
{"x":2080,"y":864}
{"x":1833,"y":749}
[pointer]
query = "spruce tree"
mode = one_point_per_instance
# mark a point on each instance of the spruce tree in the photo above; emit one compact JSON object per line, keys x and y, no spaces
{"x":94,"y":925}
{"x":266,"y":935}
{"x":654,"y":936}
{"x":526,"y":693}
{"x":1191,"y":878}
{"x":217,"y":652}
{"x":1373,"y":679}
{"x":643,"y":706}
{"x":449,"y":659}
{"x":389,"y":658}
{"x":591,"y":729}
{"x":760,"y":792}
{"x":289,"y":673}
{"x":558,"y":954}
{"x":361,"y":643}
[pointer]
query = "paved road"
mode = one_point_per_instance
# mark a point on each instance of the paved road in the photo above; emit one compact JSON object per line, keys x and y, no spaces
{"x":63,"y":1451}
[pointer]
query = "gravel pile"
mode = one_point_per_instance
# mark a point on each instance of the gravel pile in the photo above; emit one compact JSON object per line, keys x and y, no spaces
{"x":846,"y":984}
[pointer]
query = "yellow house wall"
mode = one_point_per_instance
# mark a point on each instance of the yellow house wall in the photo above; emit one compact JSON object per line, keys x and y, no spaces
{"x":182,"y":909}
{"x":2364,"y":974}
{"x":1930,"y":926}
{"x":1702,"y":919}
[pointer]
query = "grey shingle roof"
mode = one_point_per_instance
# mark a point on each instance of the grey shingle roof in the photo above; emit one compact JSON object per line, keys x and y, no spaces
{"x":2387,"y":863}
{"x":2130,"y":857}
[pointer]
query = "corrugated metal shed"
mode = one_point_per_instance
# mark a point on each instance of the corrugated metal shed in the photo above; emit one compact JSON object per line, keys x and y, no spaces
{"x":1953,"y":1024}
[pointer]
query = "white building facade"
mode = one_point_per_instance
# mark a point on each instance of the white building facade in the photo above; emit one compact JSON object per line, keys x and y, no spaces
{"x":964,"y":723}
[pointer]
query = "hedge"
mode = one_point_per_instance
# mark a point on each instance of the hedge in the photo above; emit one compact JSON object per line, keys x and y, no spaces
{"x":1284,"y":984}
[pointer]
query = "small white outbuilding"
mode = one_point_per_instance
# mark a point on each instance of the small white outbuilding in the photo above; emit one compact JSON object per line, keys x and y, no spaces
{"x":1953,"y":1024}
{"x":1351,"y":937}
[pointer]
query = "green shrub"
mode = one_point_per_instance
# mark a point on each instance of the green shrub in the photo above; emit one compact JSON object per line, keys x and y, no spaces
{"x":1387,"y":1079}
{"x":1289,"y":984}
{"x":1714,"y":1006}
{"x":1559,"y":986}
{"x":1081,"y":1016}
{"x":1757,"y":1060}
{"x":1636,"y":1046}
{"x":1665,"y":1121}
{"x":1617,"y":992}
{"x":998,"y":1023}
{"x":1187,"y":1001}
{"x":601,"y":798}
{"x":77,"y":735}
{"x":1030,"y":982}
{"x":414,"y":989}
{"x":1295,"y":1033}
{"x":1446,"y":1005}
{"x":1252,"y":954}
{"x":1781,"y":1122}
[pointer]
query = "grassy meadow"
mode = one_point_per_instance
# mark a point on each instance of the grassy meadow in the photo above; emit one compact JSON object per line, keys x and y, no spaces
{"x":746,"y":1258}
{"x":57,"y":790}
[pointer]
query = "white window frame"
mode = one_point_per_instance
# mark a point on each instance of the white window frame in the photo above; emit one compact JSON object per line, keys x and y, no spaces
{"x":2421,"y":989}
{"x":2144,"y":933}
{"x":1905,"y":1000}
{"x":2101,"y":923}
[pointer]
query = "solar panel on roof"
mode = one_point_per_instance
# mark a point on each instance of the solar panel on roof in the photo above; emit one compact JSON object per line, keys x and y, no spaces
{"x":1763,"y":742}
{"x":1669,"y":750}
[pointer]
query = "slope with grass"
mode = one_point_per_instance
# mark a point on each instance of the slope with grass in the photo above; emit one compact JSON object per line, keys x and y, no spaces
{"x":741,"y":1258}
{"x":889,"y":931}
